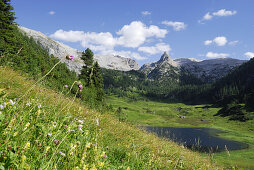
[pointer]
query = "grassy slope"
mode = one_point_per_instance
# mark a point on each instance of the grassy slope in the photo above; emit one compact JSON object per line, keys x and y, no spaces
{"x":124,"y":145}
{"x":153,"y":113}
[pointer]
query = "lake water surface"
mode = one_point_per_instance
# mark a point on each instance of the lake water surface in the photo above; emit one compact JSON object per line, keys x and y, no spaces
{"x":201,"y":139}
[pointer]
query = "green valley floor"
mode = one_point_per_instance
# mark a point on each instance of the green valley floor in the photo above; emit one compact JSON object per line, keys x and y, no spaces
{"x":152,"y":113}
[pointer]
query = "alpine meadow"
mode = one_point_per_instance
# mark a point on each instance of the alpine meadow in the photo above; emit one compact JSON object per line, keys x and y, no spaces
{"x":126,"y":84}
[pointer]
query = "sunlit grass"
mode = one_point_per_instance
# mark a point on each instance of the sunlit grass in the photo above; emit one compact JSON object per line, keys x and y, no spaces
{"x":48,"y":130}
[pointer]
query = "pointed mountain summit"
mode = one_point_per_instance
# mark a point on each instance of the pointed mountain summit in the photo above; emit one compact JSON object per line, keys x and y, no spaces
{"x":165,"y":67}
{"x":167,"y":59}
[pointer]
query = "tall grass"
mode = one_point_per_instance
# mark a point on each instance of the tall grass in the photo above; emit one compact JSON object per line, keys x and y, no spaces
{"x":48,"y":130}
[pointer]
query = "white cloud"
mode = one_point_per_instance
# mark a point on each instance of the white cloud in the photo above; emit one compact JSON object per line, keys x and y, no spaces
{"x":52,"y":12}
{"x":177,"y":26}
{"x":219,"y":13}
{"x":71,"y":36}
{"x":207,"y":16}
{"x":233,"y":42}
{"x":146,"y":13}
{"x":224,"y":12}
{"x":157,"y":49}
{"x":133,"y":36}
{"x":136,"y":34}
{"x":208,"y":42}
{"x":220,"y":41}
{"x":249,"y":54}
{"x":216,"y":55}
{"x":129,"y":54}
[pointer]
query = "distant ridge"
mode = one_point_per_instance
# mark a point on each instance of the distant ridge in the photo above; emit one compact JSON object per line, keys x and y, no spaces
{"x":60,"y":51}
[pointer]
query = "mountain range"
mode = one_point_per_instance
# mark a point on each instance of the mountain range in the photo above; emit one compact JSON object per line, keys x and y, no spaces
{"x":206,"y":70}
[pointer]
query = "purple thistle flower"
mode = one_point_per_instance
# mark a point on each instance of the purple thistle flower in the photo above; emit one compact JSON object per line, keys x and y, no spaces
{"x":104,"y":156}
{"x":66,"y":86}
{"x":71,"y":57}
{"x":80,"y":87}
{"x":56,"y":141}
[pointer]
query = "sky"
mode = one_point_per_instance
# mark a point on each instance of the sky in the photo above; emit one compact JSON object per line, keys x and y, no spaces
{"x":144,"y":29}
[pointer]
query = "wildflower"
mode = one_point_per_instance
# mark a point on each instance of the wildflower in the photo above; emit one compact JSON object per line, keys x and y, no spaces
{"x":65,"y":126}
{"x":27,"y":146}
{"x":28,"y":124}
{"x":47,"y":149}
{"x":49,"y":134}
{"x":80,"y":126}
{"x":54,"y":124}
{"x":11,"y":102}
{"x":80,"y":87}
{"x":169,"y":161}
{"x":28,"y":104}
{"x":68,"y":57}
{"x":88,"y":145}
{"x":80,"y":129}
{"x":128,"y":168}
{"x":1,"y":107}
{"x":16,"y":133}
{"x":80,"y":121}
{"x":66,"y":86}
{"x":63,"y":154}
{"x":4,"y":104}
{"x":56,"y":141}
{"x":97,"y":122}
{"x":39,"y":106}
{"x":104,"y":155}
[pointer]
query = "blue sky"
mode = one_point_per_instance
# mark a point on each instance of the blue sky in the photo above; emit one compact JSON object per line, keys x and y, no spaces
{"x":143,"y":29}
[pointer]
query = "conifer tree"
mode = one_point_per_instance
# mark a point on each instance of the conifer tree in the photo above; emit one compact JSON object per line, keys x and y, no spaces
{"x":6,"y":15}
{"x":87,"y":69}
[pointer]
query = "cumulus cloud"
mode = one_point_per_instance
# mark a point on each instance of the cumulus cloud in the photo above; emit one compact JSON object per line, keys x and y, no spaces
{"x":219,"y":13}
{"x":216,"y":55}
{"x":157,"y":49}
{"x":249,"y":54}
{"x":224,"y":12}
{"x":71,"y":36}
{"x":132,"y":36}
{"x":52,"y":12}
{"x":146,"y":13}
{"x":136,"y":33}
{"x":177,"y":26}
{"x":220,"y":41}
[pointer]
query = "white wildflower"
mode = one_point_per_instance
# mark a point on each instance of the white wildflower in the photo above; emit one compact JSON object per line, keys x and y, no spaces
{"x":63,"y":154}
{"x":28,"y":104}
{"x":11,"y":102}
{"x":80,"y":121}
{"x":1,"y":107}
{"x":97,"y":122}
{"x":80,"y":126}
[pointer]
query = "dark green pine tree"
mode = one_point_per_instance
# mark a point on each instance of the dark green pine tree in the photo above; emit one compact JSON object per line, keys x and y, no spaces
{"x":87,"y":57}
{"x":97,"y":81}
{"x":87,"y":69}
{"x":6,"y":15}
{"x":7,"y":28}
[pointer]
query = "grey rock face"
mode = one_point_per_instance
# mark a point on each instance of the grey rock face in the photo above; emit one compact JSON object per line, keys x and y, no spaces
{"x":209,"y":70}
{"x":206,"y":70}
{"x":61,"y":50}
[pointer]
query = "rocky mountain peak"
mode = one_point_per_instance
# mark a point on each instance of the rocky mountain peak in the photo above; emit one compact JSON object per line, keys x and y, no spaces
{"x":165,"y":58}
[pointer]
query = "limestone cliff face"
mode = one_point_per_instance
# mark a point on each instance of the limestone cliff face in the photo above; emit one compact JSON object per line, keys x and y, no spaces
{"x":206,"y":70}
{"x":61,"y":50}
